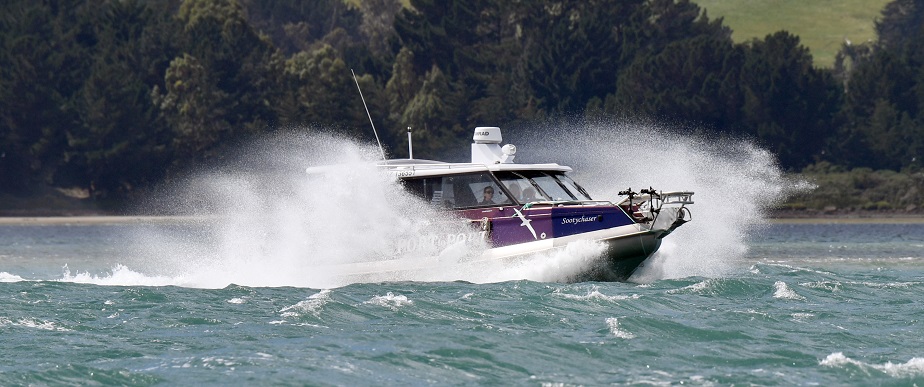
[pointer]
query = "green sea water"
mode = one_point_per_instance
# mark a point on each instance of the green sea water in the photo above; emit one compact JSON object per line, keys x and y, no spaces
{"x":804,"y":304}
{"x":247,"y":296}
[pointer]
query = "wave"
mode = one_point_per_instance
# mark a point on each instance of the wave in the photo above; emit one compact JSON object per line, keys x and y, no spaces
{"x":33,"y":323}
{"x":783,"y":291}
{"x":613,"y":324}
{"x":7,"y":277}
{"x":594,"y":294}
{"x":390,"y":300}
{"x":911,"y":368}
{"x":312,"y":305}
{"x":121,"y":275}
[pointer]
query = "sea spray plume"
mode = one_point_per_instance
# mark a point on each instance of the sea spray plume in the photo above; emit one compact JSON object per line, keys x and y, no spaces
{"x":735,"y":183}
{"x":567,"y":264}
{"x":272,"y":224}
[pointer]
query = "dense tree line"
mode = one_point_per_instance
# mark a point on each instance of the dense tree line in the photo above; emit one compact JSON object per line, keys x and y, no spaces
{"x":114,"y":95}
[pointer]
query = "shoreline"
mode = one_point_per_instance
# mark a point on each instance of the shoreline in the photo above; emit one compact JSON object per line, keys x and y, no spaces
{"x":849,"y":220}
{"x":157,"y":219}
{"x":96,"y":220}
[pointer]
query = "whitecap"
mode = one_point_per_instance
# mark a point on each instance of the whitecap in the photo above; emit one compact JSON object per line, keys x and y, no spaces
{"x":785,"y":292}
{"x":613,"y":324}
{"x":121,"y":275}
{"x":698,"y":287}
{"x":832,"y":286}
{"x":594,"y":295}
{"x":33,"y":323}
{"x":7,"y":277}
{"x":312,"y":305}
{"x":802,"y":316}
{"x":912,"y":368}
{"x":886,"y":285}
{"x":390,"y":300}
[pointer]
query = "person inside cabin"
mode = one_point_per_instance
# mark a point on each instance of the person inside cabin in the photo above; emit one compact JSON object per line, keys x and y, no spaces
{"x":529,"y":195}
{"x":488,"y":197}
{"x":514,"y":189}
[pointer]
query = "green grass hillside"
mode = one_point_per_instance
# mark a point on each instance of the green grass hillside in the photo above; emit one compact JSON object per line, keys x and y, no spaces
{"x":821,"y":24}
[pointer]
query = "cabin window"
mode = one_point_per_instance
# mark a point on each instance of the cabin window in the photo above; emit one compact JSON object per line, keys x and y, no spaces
{"x":572,"y":186}
{"x":519,"y":187}
{"x":460,"y":191}
{"x":531,"y":186}
{"x":550,"y":187}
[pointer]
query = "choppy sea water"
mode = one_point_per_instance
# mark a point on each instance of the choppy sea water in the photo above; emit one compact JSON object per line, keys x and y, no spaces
{"x":801,"y":304}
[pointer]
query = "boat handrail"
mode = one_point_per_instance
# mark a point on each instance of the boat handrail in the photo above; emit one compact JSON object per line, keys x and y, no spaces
{"x":670,"y":197}
{"x":677,"y":197}
{"x":558,"y":203}
{"x":415,"y":167}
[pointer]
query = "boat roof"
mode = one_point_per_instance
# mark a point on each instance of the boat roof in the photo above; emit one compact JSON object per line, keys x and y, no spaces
{"x":420,"y":167}
{"x":487,"y":155}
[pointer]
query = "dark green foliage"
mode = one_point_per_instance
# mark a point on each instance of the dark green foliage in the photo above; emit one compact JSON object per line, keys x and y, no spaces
{"x":119,"y":141}
{"x":297,"y":25}
{"x":883,"y":124}
{"x":695,"y":80}
{"x":788,"y":104}
{"x":113,"y":95}
{"x":39,"y":73}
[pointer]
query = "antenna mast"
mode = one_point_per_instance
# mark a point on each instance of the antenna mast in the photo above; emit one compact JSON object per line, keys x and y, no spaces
{"x":368,"y":115}
{"x":410,"y":144}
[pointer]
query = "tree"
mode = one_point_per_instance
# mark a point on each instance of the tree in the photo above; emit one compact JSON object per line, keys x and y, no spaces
{"x":321,"y":92}
{"x":433,"y":114}
{"x":378,"y":26}
{"x":885,"y":95}
{"x":194,"y":107}
{"x":692,"y":80}
{"x":43,"y":63}
{"x":295,"y":25}
{"x":119,"y":143}
{"x":789,"y":105}
{"x":220,"y":90}
{"x":576,"y":50}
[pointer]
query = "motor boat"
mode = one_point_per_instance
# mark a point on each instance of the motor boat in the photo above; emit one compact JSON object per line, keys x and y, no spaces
{"x":524,"y":209}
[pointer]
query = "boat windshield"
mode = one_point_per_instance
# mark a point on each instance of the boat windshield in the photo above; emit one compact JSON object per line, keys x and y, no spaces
{"x":519,"y":187}
{"x":460,"y":191}
{"x":572,"y":186}
{"x":530,"y":186}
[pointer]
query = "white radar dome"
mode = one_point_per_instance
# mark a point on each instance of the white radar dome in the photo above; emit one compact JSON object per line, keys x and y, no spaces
{"x":487,"y":135}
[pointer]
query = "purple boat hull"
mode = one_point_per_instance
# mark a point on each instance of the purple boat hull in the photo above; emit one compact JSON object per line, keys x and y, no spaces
{"x":628,"y":244}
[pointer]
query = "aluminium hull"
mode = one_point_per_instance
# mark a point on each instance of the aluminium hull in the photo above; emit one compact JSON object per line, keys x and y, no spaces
{"x":625,"y":249}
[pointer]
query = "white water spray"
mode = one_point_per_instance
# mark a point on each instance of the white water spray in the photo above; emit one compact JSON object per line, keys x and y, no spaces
{"x":271,"y":223}
{"x":265,"y":222}
{"x":735,"y":183}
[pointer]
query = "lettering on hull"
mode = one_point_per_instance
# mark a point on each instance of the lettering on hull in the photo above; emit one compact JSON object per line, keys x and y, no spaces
{"x":580,"y":219}
{"x":435,"y":242}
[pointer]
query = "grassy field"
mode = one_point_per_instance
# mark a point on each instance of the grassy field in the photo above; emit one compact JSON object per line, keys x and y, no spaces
{"x":822,"y":25}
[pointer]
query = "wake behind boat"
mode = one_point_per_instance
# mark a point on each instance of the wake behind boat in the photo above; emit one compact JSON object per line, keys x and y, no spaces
{"x":522,"y":210}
